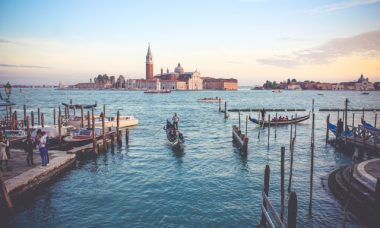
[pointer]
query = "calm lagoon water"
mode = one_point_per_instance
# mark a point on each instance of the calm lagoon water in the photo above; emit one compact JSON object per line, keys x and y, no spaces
{"x":147,"y":184}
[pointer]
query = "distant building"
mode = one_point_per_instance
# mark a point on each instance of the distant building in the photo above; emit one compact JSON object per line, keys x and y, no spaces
{"x":376,"y":85}
{"x":362,"y":84}
{"x":220,"y":84}
{"x":149,"y":65}
{"x":294,"y":86}
{"x":323,"y":86}
{"x":337,"y":86}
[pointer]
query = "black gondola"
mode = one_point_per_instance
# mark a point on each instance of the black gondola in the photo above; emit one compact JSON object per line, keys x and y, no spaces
{"x":78,"y":106}
{"x":280,"y":122}
{"x":175,"y":137}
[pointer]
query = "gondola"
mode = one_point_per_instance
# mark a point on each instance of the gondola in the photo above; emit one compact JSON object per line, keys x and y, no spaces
{"x":78,"y":106}
{"x":174,"y":137}
{"x":282,"y":122}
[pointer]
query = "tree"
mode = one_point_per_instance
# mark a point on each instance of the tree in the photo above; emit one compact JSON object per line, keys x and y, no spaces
{"x":288,"y":82}
{"x":294,"y":80}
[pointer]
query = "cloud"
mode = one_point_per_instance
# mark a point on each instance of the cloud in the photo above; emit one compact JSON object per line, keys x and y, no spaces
{"x":341,"y":6}
{"x":367,"y":44}
{"x":5,"y":41}
{"x":234,"y":62}
{"x":21,"y":66}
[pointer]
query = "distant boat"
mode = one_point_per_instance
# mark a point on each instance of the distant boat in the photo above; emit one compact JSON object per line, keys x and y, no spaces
{"x":210,"y":100}
{"x":174,"y":136}
{"x":365,"y":93}
{"x":276,"y":91}
{"x":320,"y":94}
{"x":79,"y":106}
{"x":158,"y":91}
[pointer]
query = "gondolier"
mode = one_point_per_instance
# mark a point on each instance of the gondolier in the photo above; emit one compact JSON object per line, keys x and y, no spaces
{"x":175,"y":121}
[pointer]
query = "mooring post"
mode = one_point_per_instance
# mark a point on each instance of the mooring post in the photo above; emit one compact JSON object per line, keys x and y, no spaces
{"x":292,"y":210}
{"x":65,"y":112}
{"x":246,"y":126}
{"x":239,"y":122}
{"x":268,"y":129}
{"x":295,"y":127}
{"x":375,"y":119}
{"x":327,"y":127}
{"x":291,"y":165}
{"x":54,"y":117}
{"x":24,"y":116}
{"x":345,"y":114}
{"x":27,"y":125}
{"x":220,"y":104}
{"x":38,"y":116}
{"x":291,"y":135}
{"x":363,"y":114}
{"x":266,"y":191}
{"x":88,"y":119}
{"x":32,"y":118}
{"x":81,"y":117}
{"x":118,"y":126}
{"x":5,"y":194}
{"x":15,"y":120}
{"x":282,"y":211}
{"x":60,"y":125}
{"x":353,"y":120}
{"x":312,"y":164}
{"x":103,"y":127}
{"x":42,"y":120}
{"x":337,"y":119}
{"x":93,"y":132}
{"x":225,"y":110}
{"x":275,"y":127}
{"x":126,"y":136}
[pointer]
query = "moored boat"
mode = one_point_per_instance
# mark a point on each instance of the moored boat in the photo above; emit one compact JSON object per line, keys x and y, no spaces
{"x":210,"y":100}
{"x":174,"y":136}
{"x":82,"y":136}
{"x":78,"y":106}
{"x":124,"y":121}
{"x":158,"y":91}
{"x":280,"y":122}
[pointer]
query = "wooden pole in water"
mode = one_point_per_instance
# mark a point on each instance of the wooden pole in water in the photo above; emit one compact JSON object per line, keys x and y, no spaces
{"x":42,"y":120}
{"x":27,"y":125}
{"x":220,"y":104}
{"x":291,"y":164}
{"x":291,"y":135}
{"x":353,"y":120}
{"x":239,"y":121}
{"x":327,"y":127}
{"x":225,"y":110}
{"x":32,"y":118}
{"x":118,"y":126}
{"x":5,"y":194}
{"x":93,"y":132}
{"x":60,"y":125}
{"x":292,"y":210}
{"x":103,"y":128}
{"x":126,"y":136}
{"x":375,"y":119}
{"x":81,"y":117}
{"x":268,"y":129}
{"x":282,"y":211}
{"x":266,"y":191}
{"x":246,"y":126}
{"x":337,"y":119}
{"x":54,"y":117}
{"x":38,"y":116}
{"x":88,"y":119}
{"x":345,"y":112}
{"x":275,"y":127}
{"x":312,"y":164}
{"x":15,"y":120}
{"x":65,"y":112}
{"x":24,"y":115}
{"x":363,"y":114}
{"x":295,"y":127}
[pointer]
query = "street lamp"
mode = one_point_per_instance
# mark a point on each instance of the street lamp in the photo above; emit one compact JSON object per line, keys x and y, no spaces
{"x":8,"y":90}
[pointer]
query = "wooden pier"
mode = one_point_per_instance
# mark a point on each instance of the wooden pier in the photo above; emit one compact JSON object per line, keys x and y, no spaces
{"x":240,"y":139}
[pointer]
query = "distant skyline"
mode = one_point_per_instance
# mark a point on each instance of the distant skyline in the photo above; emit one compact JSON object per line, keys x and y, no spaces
{"x":44,"y":42}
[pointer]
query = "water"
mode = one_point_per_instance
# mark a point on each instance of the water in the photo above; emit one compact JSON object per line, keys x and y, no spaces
{"x":147,"y":184}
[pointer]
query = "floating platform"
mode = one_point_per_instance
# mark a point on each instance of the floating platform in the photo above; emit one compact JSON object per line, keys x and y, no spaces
{"x":350,"y":109}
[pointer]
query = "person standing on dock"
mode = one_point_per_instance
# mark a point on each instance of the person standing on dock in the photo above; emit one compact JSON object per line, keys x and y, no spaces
{"x":28,"y":147}
{"x":175,"y":121}
{"x":3,"y":154}
{"x":42,"y":147}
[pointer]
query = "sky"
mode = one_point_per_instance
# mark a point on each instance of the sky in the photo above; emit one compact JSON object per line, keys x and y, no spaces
{"x":44,"y":42}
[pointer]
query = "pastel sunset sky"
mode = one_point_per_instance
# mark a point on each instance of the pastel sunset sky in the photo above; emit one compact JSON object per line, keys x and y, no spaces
{"x":44,"y":41}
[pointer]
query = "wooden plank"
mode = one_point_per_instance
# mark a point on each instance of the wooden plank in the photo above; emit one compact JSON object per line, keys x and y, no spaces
{"x":273,"y":211}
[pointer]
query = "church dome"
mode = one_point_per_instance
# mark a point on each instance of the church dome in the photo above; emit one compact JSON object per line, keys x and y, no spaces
{"x":179,"y":69}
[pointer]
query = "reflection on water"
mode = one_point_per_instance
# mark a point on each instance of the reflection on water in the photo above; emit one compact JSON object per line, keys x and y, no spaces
{"x":209,"y":183}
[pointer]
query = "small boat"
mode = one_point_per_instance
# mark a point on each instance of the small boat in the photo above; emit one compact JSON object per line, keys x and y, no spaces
{"x":276,"y":91}
{"x":124,"y":121}
{"x":365,"y":93}
{"x":79,"y":106}
{"x":280,"y":122}
{"x":158,"y":91}
{"x":320,"y":94}
{"x":82,"y":136}
{"x":210,"y":100}
{"x":174,"y":137}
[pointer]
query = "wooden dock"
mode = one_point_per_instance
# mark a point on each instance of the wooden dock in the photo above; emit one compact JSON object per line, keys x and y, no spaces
{"x":267,"y":110}
{"x":240,"y":139}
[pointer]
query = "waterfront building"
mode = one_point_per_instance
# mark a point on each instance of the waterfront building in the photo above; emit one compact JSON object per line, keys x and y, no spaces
{"x":120,"y":82}
{"x":220,"y":83}
{"x":294,"y":86}
{"x":323,"y":86}
{"x":337,"y":86}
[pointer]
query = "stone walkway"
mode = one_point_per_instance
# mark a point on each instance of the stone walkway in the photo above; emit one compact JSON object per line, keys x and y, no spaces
{"x":367,"y":173}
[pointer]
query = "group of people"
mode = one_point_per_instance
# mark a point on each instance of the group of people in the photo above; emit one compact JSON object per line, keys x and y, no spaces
{"x":41,"y":141}
{"x":281,"y":118}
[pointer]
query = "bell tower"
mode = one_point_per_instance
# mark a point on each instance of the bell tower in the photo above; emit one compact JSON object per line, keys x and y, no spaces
{"x":149,"y":64}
